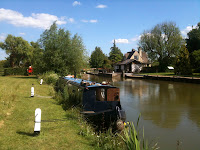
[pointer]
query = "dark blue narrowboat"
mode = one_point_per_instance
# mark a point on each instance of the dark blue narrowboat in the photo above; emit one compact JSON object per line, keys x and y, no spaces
{"x":100,"y":101}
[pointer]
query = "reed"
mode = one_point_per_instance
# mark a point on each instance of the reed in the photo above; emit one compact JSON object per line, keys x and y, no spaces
{"x":132,"y":140}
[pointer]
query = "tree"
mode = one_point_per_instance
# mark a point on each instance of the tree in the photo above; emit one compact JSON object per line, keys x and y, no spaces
{"x":37,"y":57}
{"x":162,"y":43}
{"x":97,"y":58}
{"x":193,"y":45}
{"x":115,"y":54}
{"x":182,"y":65}
{"x":195,"y":57}
{"x":61,"y":52}
{"x":193,"y":40}
{"x":18,"y":49}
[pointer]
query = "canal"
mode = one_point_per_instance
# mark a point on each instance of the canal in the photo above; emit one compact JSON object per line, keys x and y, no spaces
{"x":170,"y":111}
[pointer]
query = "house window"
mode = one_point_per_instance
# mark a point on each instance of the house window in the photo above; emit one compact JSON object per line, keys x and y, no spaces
{"x":136,"y":57}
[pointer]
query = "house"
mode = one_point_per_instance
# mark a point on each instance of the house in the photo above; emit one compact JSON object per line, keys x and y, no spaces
{"x":133,"y":61}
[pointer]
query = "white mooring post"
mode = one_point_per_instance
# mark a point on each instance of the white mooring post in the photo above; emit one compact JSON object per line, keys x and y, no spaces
{"x":37,"y":121}
{"x":41,"y":81}
{"x":32,"y":91}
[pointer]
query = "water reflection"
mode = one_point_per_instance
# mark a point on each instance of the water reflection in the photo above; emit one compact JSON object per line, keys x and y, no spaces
{"x":164,"y":103}
{"x":170,"y":110}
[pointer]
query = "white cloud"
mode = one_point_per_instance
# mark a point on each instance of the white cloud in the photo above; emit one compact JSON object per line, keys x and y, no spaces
{"x":40,"y":20}
{"x":22,"y":33}
{"x":2,"y":36}
{"x":90,"y":21}
{"x":76,"y":3}
{"x":101,"y":6}
{"x":186,"y":30}
{"x":93,"y":21}
{"x":124,"y":41}
{"x":136,"y":38}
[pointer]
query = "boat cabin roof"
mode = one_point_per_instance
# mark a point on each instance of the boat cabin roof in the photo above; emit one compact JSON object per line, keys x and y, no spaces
{"x":85,"y":83}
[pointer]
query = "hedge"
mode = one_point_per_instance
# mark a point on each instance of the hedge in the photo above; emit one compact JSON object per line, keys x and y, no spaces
{"x":15,"y":71}
{"x":153,"y":69}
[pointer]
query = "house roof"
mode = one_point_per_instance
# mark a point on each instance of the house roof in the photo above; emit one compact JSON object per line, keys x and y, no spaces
{"x":128,"y":55}
{"x":128,"y":61}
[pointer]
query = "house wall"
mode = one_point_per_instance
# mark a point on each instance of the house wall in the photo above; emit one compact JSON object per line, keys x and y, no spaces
{"x":136,"y":67}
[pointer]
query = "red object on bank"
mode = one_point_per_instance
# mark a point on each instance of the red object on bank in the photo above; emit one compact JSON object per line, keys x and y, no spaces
{"x":30,"y":70}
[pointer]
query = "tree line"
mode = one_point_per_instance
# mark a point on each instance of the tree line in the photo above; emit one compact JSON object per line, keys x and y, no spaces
{"x":56,"y":50}
{"x":165,"y":46}
{"x":99,"y":60}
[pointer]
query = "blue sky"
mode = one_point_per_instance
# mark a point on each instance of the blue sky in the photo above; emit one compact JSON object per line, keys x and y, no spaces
{"x":98,"y":22}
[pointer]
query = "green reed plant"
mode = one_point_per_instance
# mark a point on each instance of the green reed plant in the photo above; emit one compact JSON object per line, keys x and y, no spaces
{"x":132,"y":140}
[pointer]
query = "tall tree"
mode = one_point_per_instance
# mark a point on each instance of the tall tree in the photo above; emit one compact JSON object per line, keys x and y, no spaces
{"x":115,"y":54}
{"x":61,"y":52}
{"x":193,"y":45}
{"x":18,"y":49}
{"x":182,"y":65}
{"x":97,"y":58}
{"x":37,"y":57}
{"x":162,"y":43}
{"x":195,"y":57}
{"x":193,"y":40}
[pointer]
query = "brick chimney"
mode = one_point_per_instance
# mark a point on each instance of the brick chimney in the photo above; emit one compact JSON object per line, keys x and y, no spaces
{"x":140,"y":54}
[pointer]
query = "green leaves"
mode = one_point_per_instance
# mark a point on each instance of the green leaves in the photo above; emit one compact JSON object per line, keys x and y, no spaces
{"x":97,"y":58}
{"x":193,"y":40}
{"x":61,"y":52}
{"x":115,"y":54}
{"x":162,"y":43}
{"x":182,"y":65}
{"x":18,"y":49}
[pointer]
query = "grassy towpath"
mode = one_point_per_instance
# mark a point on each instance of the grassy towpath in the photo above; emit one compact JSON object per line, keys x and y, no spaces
{"x":17,"y":110}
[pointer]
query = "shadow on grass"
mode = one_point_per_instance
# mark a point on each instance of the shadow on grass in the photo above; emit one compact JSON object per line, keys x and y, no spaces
{"x":27,"y":133}
{"x":25,"y":77}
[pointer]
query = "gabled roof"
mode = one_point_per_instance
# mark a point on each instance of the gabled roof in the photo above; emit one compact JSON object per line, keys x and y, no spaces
{"x":128,"y":61}
{"x":128,"y":55}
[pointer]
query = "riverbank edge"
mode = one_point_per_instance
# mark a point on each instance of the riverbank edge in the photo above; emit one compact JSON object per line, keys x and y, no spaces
{"x":194,"y":80}
{"x":166,"y":78}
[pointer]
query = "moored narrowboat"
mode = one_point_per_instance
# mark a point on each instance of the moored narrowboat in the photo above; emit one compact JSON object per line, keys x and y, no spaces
{"x":100,"y":101}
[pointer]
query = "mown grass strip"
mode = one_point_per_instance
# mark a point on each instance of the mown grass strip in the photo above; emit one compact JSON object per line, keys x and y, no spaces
{"x":17,"y":129}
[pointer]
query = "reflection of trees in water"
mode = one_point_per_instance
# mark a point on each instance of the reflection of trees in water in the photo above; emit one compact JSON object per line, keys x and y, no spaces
{"x":165,"y":102}
{"x":162,"y":102}
{"x":194,"y":106}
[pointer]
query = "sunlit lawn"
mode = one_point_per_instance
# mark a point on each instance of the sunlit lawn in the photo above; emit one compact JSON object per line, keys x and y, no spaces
{"x":17,"y":118}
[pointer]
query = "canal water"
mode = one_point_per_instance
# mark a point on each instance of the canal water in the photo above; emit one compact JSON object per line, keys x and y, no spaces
{"x":170,"y":111}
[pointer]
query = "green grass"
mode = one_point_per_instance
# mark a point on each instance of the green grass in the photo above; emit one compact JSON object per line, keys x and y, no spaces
{"x":60,"y":129}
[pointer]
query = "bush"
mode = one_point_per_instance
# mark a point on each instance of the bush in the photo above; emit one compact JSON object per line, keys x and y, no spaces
{"x":15,"y":71}
{"x":67,"y":96}
{"x":49,"y":77}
